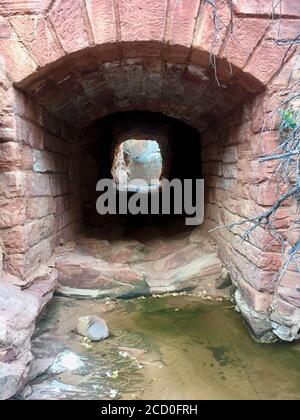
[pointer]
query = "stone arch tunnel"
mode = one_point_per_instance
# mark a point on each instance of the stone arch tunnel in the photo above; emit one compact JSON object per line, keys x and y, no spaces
{"x":69,"y":65}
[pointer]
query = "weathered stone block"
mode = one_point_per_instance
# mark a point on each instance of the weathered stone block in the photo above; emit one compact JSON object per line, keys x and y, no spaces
{"x":68,"y":22}
{"x":29,"y":134}
{"x":243,"y":40}
{"x":180,"y":27}
{"x":268,"y":52}
{"x":230,"y":154}
{"x":12,"y":184}
{"x":12,"y":212}
{"x":103,"y":21}
{"x":36,"y":36}
{"x":37,"y":184}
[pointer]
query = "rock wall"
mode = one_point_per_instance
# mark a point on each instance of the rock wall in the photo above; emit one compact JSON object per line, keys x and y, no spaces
{"x":39,"y":187}
{"x":240,"y":187}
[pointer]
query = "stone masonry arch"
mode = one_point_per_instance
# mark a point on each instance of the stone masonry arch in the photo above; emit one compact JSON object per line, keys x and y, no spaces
{"x":67,"y":63}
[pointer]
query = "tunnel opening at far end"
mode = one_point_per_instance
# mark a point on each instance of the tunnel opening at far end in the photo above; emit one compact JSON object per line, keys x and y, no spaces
{"x":137,"y":165}
{"x":137,"y":150}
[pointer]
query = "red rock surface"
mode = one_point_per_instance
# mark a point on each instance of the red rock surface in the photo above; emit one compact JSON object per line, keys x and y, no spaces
{"x":94,"y":267}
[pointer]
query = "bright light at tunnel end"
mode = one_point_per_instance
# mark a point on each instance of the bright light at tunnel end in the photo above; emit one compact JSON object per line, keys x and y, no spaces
{"x":180,"y":197}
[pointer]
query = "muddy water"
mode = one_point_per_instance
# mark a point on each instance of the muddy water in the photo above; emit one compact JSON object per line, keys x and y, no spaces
{"x":162,"y":348}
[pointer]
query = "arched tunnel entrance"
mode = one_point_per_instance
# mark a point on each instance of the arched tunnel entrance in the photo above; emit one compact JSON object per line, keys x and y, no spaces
{"x":69,"y":115}
{"x":97,"y":74}
{"x":166,"y":158}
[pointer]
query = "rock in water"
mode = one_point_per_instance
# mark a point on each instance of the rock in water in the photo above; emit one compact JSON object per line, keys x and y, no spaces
{"x":92,"y":327}
{"x":224,"y":280}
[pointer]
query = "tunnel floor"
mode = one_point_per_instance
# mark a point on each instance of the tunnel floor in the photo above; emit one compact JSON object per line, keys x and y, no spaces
{"x":131,"y":259}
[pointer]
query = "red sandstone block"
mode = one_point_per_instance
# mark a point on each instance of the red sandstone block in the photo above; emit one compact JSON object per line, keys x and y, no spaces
{"x":248,"y":82}
{"x":29,"y":134}
{"x":253,"y":171}
{"x":63,"y":71}
{"x":36,"y":36}
{"x":13,"y":53}
{"x":212,"y":153}
{"x":180,"y":28}
{"x":290,"y":71}
{"x":264,"y":241}
{"x":39,"y":229}
{"x":7,"y":121}
{"x":266,"y":61}
{"x":66,"y":218}
{"x":293,"y":234}
{"x":12,"y":184}
{"x":259,"y":279}
{"x":12,"y":212}
{"x":285,"y":29}
{"x":64,"y":235}
{"x":37,"y":184}
{"x":267,"y":261}
{"x":267,"y":7}
{"x":14,"y":240}
{"x":88,"y":65}
{"x":52,"y":96}
{"x":239,"y":134}
{"x":23,"y":264}
{"x":230,"y":154}
{"x":45,"y":161}
{"x":243,"y":40}
{"x":102,"y":17}
{"x":289,"y":289}
{"x":14,"y":264}
{"x":7,"y":134}
{"x":260,"y":238}
{"x":68,"y":22}
{"x":10,"y":157}
{"x":142,"y":20}
{"x":59,"y":184}
{"x":252,"y":7}
{"x":206,"y":41}
{"x":38,"y":207}
{"x":284,"y":308}
{"x":61,"y":204}
{"x":263,"y":117}
{"x":229,"y":171}
{"x":37,"y":255}
{"x":236,"y":94}
{"x":5,"y":29}
{"x":14,"y":156}
{"x":9,"y":7}
{"x":54,"y":144}
{"x":259,"y":301}
{"x":142,"y":25}
{"x":264,"y":194}
{"x":264,"y":143}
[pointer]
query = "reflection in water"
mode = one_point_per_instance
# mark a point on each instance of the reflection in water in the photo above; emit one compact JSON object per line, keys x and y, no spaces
{"x":167,"y":348}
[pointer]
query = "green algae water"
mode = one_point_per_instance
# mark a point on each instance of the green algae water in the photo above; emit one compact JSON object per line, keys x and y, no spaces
{"x":163,"y":348}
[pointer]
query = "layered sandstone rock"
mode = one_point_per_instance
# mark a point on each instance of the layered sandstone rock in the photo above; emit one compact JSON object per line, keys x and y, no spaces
{"x":95,"y":268}
{"x":19,"y":310}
